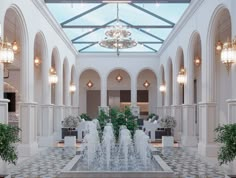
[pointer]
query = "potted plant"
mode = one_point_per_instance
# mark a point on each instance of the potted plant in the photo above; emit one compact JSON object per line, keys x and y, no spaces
{"x":169,"y":123}
{"x":68,"y":132}
{"x":226,"y":136}
{"x":8,"y":136}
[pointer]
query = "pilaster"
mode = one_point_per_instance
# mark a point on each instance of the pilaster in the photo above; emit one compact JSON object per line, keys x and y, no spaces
{"x":58,"y":118}
{"x":176,"y":112}
{"x":167,"y":110}
{"x":28,"y":125}
{"x":160,"y":111}
{"x":4,"y":111}
{"x":231,"y":111}
{"x":67,"y":111}
{"x":46,"y":138}
{"x":207,"y":125}
{"x":188,"y":137}
{"x":75,"y":110}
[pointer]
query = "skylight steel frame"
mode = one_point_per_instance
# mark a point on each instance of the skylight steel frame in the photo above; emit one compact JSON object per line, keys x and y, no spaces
{"x":140,"y":28}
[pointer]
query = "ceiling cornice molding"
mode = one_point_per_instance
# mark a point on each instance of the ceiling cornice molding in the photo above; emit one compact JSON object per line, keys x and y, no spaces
{"x":187,"y":15}
{"x":41,"y":6}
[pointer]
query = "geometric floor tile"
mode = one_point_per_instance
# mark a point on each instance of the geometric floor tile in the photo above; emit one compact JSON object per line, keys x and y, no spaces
{"x":48,"y":163}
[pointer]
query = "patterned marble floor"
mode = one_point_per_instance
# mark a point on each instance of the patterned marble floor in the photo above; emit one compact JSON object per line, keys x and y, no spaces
{"x":48,"y":163}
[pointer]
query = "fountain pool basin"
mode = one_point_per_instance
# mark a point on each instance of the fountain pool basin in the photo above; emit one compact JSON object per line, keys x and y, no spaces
{"x":162,"y":171}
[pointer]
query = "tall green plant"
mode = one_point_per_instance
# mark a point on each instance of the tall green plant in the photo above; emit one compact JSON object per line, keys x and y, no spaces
{"x":226,"y":135}
{"x":8,"y":136}
{"x":103,"y":119}
{"x":131,"y":122}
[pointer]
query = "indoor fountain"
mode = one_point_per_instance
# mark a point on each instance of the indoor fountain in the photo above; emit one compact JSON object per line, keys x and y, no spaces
{"x":109,"y":158}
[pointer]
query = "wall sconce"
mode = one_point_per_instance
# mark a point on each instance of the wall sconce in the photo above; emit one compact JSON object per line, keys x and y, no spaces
{"x":162,"y":88}
{"x":37,"y":61}
{"x":181,"y":78}
{"x":90,"y":84}
{"x":197,"y":61}
{"x":119,"y":78}
{"x":72,"y":87}
{"x":146,"y":84}
{"x":53,"y":78}
{"x":228,"y":53}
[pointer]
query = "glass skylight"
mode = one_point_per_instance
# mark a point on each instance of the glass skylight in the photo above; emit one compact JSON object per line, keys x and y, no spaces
{"x":86,"y":39}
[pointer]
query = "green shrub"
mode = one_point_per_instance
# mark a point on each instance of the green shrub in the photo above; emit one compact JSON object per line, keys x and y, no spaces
{"x":226,"y":135}
{"x":8,"y":136}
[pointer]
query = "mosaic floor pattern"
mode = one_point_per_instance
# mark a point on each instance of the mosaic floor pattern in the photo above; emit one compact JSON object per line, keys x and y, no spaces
{"x":48,"y":163}
{"x":188,"y":164}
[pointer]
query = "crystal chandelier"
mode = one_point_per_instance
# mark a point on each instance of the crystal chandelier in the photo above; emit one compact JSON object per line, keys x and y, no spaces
{"x":228,"y":53}
{"x":181,"y":78}
{"x":118,"y":37}
{"x":72,"y":87}
{"x":53,"y":78}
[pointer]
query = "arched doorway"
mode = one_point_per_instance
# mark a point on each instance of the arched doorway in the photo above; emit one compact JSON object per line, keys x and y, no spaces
{"x":118,"y":88}
{"x":147,"y":92}
{"x":89,"y":92}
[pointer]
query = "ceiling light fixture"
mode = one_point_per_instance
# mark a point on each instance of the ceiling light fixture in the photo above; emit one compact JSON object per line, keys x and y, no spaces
{"x":118,"y":37}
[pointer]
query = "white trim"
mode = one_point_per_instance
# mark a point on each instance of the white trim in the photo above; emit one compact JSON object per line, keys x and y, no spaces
{"x":189,"y":12}
{"x":54,"y":24}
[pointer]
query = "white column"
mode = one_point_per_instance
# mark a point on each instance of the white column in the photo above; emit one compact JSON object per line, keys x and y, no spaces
{"x":103,"y":92}
{"x":133,"y":91}
{"x":189,"y":137}
{"x":46,"y":109}
{"x":207,"y":108}
{"x":28,"y":109}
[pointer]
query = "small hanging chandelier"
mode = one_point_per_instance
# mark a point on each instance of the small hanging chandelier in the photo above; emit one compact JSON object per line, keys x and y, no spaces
{"x":162,"y":88}
{"x":89,"y":84}
{"x":197,"y":61}
{"x":181,"y":78}
{"x":119,"y":77}
{"x":72,"y":87}
{"x":146,"y":84}
{"x":53,"y":78}
{"x":37,"y":61}
{"x":228,"y":53}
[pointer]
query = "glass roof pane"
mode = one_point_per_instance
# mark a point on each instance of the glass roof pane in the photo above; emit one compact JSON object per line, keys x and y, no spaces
{"x":145,"y":18}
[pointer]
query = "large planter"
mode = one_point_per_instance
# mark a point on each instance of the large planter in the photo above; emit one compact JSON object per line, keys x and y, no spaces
{"x":168,"y":131}
{"x":70,"y":141}
{"x":69,"y":132}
